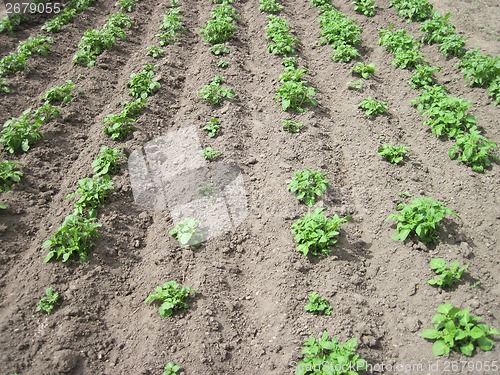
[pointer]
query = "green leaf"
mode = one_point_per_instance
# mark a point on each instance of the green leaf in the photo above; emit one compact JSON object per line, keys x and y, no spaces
{"x":485,"y":343}
{"x":440,"y":348}
{"x":430,"y":333}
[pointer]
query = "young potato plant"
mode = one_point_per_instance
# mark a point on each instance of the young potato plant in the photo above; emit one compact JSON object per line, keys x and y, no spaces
{"x":421,"y":218}
{"x":210,"y":154}
{"x":95,"y":42}
{"x":223,"y":64}
{"x":212,"y":127}
{"x":452,"y":45}
{"x":270,"y":6}
{"x":9,"y":174}
{"x":11,"y":23}
{"x":220,"y":27}
{"x":366,"y":7}
{"x":171,"y":369}
{"x":126,"y":5}
{"x":106,"y":163}
{"x":4,"y":86}
{"x":315,"y":233}
{"x":91,"y":193}
{"x":458,"y":330}
{"x":373,"y":107}
{"x":67,"y":14}
{"x":355,"y":85}
{"x":327,"y":356}
{"x":155,"y":52}
{"x":278,"y":32}
{"x":413,"y":10}
{"x":143,"y":85}
{"x":308,"y":185}
{"x":171,"y":27}
{"x":480,"y":70}
{"x":437,"y":28}
{"x":474,"y":149}
{"x":120,"y":125}
{"x":170,"y":296}
{"x":188,"y":232}
{"x":318,"y":305}
{"x":60,"y":94}
{"x":18,"y":61}
{"x":48,"y":302}
{"x":214,"y":93}
{"x":341,"y":33}
{"x":291,"y":126}
{"x":294,"y":92}
{"x":393,"y":154}
{"x":493,"y":90}
{"x":74,"y":237}
{"x":447,"y":274}
{"x":363,"y":70}
{"x":219,"y":49}
{"x":405,"y":49}
{"x":423,"y":76}
{"x":429,"y":96}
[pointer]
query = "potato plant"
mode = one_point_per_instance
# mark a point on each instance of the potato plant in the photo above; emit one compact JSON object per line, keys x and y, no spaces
{"x":10,"y":174}
{"x":18,"y":61}
{"x":171,"y":297}
{"x":366,"y":7}
{"x":60,"y":94}
{"x":474,"y":149}
{"x":48,"y":302}
{"x":363,"y":70}
{"x":278,"y":32}
{"x":221,"y":25}
{"x":318,"y":305}
{"x":210,"y":154}
{"x":67,"y":14}
{"x":270,"y":6}
{"x":171,"y":369}
{"x":405,"y":49}
{"x":171,"y":26}
{"x":423,"y":76}
{"x":308,"y":186}
{"x":188,"y":232}
{"x":91,"y":193}
{"x":106,"y":163}
{"x":447,"y":274}
{"x":215,"y":93}
{"x":291,"y":126}
{"x":126,"y":5}
{"x":143,"y":84}
{"x":437,"y":28}
{"x":393,"y":154}
{"x":295,"y":93}
{"x":413,"y":10}
{"x":373,"y":107}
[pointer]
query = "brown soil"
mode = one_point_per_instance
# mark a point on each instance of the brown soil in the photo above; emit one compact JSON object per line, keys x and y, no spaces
{"x":248,"y":314}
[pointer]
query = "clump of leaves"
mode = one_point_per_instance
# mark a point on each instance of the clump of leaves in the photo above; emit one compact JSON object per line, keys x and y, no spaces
{"x":171,"y":298}
{"x":223,"y":64}
{"x":326,"y":356}
{"x":405,"y":49}
{"x":373,"y":107}
{"x":355,"y":85}
{"x":121,"y":124}
{"x":219,"y":49}
{"x":393,"y":154}
{"x":413,"y":10}
{"x":448,"y":274}
{"x":155,"y":52}
{"x":210,"y":154}
{"x":493,"y":90}
{"x":4,"y":86}
{"x":18,"y":61}
{"x":270,"y":6}
{"x":220,"y":27}
{"x":458,"y":330}
{"x":366,"y":7}
{"x":474,"y":149}
{"x":214,"y":93}
{"x":106,"y":163}
{"x":294,"y":91}
{"x":171,"y":27}
{"x":212,"y":127}
{"x":429,"y":96}
{"x":318,"y":305}
{"x":142,"y":84}
{"x":437,"y":28}
{"x":423,"y":76}
{"x":60,"y":94}
{"x":9,"y":174}
{"x":188,"y":232}
{"x":308,"y":185}
{"x":171,"y":369}
{"x":282,"y":43}
{"x":12,"y":22}
{"x":48,"y":302}
{"x":363,"y":70}
{"x":291,"y":126}
{"x":480,"y":70}
{"x":126,"y":5}
{"x":452,"y":45}
{"x":91,"y":193}
{"x":74,"y":236}
{"x":70,"y":11}
{"x":315,"y":233}
{"x":421,"y":218}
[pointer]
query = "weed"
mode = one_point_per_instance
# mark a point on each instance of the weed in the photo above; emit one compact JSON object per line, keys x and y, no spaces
{"x":210,"y":154}
{"x":363,"y":70}
{"x":91,"y":193}
{"x":291,"y":126}
{"x":413,"y":10}
{"x":171,"y":298}
{"x":142,"y":84}
{"x":171,"y":369}
{"x":308,"y":186}
{"x":366,"y":7}
{"x":60,"y":94}
{"x":447,"y":274}
{"x":315,"y":233}
{"x":373,"y":107}
{"x":9,"y":174}
{"x":212,"y":127}
{"x":48,"y":302}
{"x":474,"y":149}
{"x":457,"y":330}
{"x":393,"y":154}
{"x":270,"y":6}
{"x":155,"y":52}
{"x":106,"y":163}
{"x":219,"y":49}
{"x":423,"y":76}
{"x":421,"y":218}
{"x":188,"y":232}
{"x":214,"y":93}
{"x":318,"y":305}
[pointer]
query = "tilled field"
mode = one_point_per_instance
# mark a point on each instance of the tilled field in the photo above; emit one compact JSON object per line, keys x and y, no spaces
{"x":247,"y":316}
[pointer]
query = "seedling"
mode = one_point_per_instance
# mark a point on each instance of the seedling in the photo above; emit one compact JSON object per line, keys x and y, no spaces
{"x":291,"y":126}
{"x":171,"y":298}
{"x":74,"y":236}
{"x":106,"y":163}
{"x":126,"y":5}
{"x":437,"y":28}
{"x":70,"y":11}
{"x":212,"y":127}
{"x":11,"y":23}
{"x":60,"y":94}
{"x":142,"y":84}
{"x":214,"y":93}
{"x":366,"y":7}
{"x":308,"y":185}
{"x":404,"y":194}
{"x":4,"y":86}
{"x":120,"y":125}
{"x":91,"y":193}
{"x":171,"y":27}
{"x":452,"y":45}
{"x":188,"y":232}
{"x":9,"y":174}
{"x":413,"y":10}
{"x":171,"y":369}
{"x":220,"y":27}
{"x":219,"y":49}
{"x":318,"y":305}
{"x":315,"y":233}
{"x":457,"y":330}
{"x":48,"y":302}
{"x":270,"y":6}
{"x":294,"y":92}
{"x":447,"y":274}
{"x":327,"y":356}
{"x":393,"y":154}
{"x":423,"y":76}
{"x":18,"y":61}
{"x":421,"y":218}
{"x":155,"y":52}
{"x":210,"y":153}
{"x":223,"y":64}
{"x":355,"y":85}
{"x":480,"y":70}
{"x":405,"y":49}
{"x":364,"y":70}
{"x":373,"y":107}
{"x":278,"y":32}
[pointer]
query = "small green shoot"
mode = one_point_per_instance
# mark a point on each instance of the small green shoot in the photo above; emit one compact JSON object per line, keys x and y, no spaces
{"x":9,"y":174}
{"x":373,"y":107}
{"x":155,"y":52}
{"x":210,"y":154}
{"x":219,"y":49}
{"x":214,"y":93}
{"x":223,"y":64}
{"x":91,"y":193}
{"x":355,"y":85}
{"x":143,"y":84}
{"x":60,"y":94}
{"x":270,"y":6}
{"x":447,"y":274}
{"x":318,"y":305}
{"x":393,"y":154}
{"x":170,"y":297}
{"x":48,"y":302}
{"x":364,"y":70}
{"x":106,"y":163}
{"x":291,"y":126}
{"x":171,"y":369}
{"x":188,"y":232}
{"x":212,"y":127}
